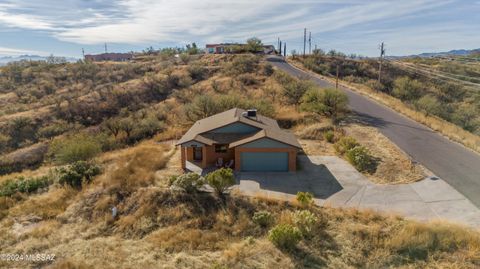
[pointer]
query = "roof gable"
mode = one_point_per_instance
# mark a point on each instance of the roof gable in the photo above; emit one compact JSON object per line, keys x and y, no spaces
{"x":204,"y":130}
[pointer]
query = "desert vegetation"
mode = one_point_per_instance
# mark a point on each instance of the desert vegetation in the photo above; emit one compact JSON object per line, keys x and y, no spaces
{"x":89,"y":173}
{"x":438,"y":89}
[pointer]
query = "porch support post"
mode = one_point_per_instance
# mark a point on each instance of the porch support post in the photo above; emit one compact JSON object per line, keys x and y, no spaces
{"x":183,"y":153}
{"x":204,"y":157}
{"x":237,"y":159}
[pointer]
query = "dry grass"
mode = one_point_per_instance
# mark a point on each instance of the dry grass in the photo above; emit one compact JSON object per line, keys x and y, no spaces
{"x":395,"y":166}
{"x":46,"y":206}
{"x":136,"y":166}
{"x":445,"y":128}
{"x":162,"y":229}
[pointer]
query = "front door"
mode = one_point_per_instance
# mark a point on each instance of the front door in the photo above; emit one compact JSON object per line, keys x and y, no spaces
{"x":197,"y":154}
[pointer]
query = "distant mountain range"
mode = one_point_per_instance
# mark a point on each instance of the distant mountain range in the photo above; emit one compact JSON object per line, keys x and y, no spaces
{"x":7,"y":59}
{"x":460,"y":52}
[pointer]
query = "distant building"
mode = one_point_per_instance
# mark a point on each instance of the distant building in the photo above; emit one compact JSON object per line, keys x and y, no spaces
{"x":220,"y":48}
{"x":223,"y":48}
{"x":268,"y":49}
{"x":116,"y":57}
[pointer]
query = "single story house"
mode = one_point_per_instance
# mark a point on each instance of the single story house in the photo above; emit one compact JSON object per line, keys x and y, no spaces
{"x":224,"y":48}
{"x":242,"y":140}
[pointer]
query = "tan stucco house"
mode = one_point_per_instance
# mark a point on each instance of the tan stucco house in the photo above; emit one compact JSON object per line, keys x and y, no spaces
{"x":240,"y":139}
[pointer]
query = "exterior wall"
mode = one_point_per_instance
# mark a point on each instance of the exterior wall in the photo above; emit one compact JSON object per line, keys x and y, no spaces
{"x":212,"y":156}
{"x":238,"y":128}
{"x":209,"y":156}
{"x":292,"y":156}
{"x":265,"y":143}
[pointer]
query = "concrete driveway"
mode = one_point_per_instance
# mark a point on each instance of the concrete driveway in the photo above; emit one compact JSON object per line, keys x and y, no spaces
{"x":336,"y":183}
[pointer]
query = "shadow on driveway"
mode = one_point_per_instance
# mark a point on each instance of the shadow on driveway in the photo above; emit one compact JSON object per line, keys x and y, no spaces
{"x":310,"y":177}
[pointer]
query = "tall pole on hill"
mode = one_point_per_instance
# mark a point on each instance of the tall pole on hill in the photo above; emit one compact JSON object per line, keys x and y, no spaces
{"x":83,"y":53}
{"x":338,"y":72}
{"x":278,"y":43}
{"x":285,"y":49}
{"x":309,"y":42}
{"x":382,"y":55}
{"x":304,"y":41}
{"x":105,"y":47}
{"x":280,"y":46}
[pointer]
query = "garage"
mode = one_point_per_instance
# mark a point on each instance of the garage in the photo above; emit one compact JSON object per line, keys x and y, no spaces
{"x":264,"y":161}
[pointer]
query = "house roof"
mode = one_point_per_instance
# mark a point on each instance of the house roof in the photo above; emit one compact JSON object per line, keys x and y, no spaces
{"x":200,"y":130}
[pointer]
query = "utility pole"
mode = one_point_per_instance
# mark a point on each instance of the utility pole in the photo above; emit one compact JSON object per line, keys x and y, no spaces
{"x":338,"y":72}
{"x":285,"y":49}
{"x":83,"y":53}
{"x":105,"y":47}
{"x":309,"y":42}
{"x":280,"y":46}
{"x":304,"y":41}
{"x":382,"y":55}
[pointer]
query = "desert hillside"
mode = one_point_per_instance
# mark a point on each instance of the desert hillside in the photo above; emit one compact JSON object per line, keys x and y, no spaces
{"x":89,"y":172}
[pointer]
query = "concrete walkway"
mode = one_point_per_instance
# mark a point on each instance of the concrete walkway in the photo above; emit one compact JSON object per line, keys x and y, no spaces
{"x":336,"y":183}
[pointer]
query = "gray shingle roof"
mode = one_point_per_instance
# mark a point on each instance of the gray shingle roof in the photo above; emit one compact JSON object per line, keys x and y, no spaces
{"x":268,"y":128}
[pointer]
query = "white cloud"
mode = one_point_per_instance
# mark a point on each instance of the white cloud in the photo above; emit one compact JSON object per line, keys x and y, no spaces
{"x":167,"y":21}
{"x":13,"y":51}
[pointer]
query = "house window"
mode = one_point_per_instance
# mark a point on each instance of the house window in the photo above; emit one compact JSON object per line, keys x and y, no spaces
{"x":221,"y":148}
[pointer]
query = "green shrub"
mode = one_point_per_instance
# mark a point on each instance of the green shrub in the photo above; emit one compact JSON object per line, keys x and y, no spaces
{"x":327,"y":102}
{"x":74,"y":148}
{"x":54,"y":129}
{"x":344,"y":144}
{"x":305,"y":221}
{"x":268,"y":70}
{"x":197,"y":72}
{"x":29,"y":185}
{"x":375,"y":85}
{"x":242,"y":64}
{"x":329,"y":136}
{"x":285,"y":236}
{"x":361,"y":159}
{"x":23,"y":185}
{"x":305,"y":198}
{"x":407,"y":89}
{"x":8,"y":188}
{"x":247,"y":79}
{"x":189,"y":182}
{"x":295,"y":89}
{"x":262,"y":218}
{"x":429,"y":104}
{"x":78,"y":173}
{"x":220,"y":180}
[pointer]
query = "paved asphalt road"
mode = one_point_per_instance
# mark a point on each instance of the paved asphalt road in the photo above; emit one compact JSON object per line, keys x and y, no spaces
{"x":455,"y":164}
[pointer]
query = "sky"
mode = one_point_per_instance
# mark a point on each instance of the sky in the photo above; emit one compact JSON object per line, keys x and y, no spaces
{"x":63,"y":28}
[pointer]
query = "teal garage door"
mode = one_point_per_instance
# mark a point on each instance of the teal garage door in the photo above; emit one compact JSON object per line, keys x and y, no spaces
{"x":264,"y":161}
